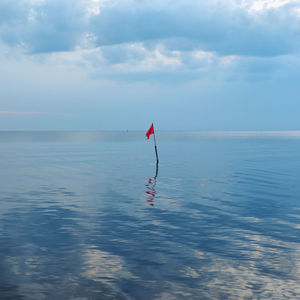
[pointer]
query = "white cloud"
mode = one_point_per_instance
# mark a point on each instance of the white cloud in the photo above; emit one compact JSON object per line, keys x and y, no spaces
{"x":258,"y":5}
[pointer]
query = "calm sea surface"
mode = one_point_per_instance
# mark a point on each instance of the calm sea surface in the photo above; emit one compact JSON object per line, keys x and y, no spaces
{"x":82,"y":215}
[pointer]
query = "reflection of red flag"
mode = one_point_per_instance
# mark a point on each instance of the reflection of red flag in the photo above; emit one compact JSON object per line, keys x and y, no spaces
{"x":150,"y":131}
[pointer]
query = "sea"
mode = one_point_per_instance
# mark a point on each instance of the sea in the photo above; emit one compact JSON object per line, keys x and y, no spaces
{"x":89,"y":215}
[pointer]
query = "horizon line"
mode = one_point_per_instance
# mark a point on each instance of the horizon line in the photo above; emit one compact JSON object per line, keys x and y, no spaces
{"x":136,"y":130}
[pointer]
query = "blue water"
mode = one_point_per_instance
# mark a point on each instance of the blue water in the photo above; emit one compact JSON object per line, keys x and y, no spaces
{"x":82,"y":215}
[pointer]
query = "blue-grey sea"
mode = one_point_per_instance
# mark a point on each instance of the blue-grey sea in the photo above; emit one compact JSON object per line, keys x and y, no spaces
{"x":84,"y":216}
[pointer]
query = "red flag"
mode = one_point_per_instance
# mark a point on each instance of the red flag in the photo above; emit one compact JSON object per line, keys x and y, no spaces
{"x":150,"y":131}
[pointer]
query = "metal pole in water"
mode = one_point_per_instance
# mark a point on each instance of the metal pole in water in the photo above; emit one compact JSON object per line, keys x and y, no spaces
{"x":155,"y":148}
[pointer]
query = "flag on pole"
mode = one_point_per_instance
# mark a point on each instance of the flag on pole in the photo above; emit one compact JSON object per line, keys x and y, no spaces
{"x":150,"y":131}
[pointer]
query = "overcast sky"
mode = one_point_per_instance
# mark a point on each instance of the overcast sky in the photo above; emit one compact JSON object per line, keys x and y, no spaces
{"x":122,"y":64}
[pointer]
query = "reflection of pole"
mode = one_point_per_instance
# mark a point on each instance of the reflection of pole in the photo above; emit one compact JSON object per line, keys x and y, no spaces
{"x":155,"y":149}
{"x":150,"y":191}
{"x":156,"y":172}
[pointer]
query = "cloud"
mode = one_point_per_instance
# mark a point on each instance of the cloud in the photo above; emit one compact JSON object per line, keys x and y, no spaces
{"x":43,"y":26}
{"x":210,"y":26}
{"x":135,"y":62}
{"x":12,"y":13}
{"x":226,"y":28}
{"x":143,"y":39}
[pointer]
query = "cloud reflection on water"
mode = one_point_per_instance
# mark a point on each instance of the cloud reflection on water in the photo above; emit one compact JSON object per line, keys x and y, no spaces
{"x":224,"y":226}
{"x":102,"y":266}
{"x":247,"y":263}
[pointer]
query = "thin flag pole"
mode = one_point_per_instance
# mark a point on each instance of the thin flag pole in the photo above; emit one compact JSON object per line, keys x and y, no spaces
{"x":148,"y":133}
{"x":155,"y":147}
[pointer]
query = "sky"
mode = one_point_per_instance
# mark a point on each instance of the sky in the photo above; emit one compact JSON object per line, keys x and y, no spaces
{"x":123,"y":64}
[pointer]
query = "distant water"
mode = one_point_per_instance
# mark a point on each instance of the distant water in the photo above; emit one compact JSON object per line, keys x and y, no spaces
{"x":82,"y":216}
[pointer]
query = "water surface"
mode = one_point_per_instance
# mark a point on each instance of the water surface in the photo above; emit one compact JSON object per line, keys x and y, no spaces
{"x":82,"y":215}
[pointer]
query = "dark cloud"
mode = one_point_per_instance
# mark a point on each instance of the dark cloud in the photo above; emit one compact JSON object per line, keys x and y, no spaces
{"x":48,"y":26}
{"x":218,"y":28}
{"x":225,"y":29}
{"x":12,"y":12}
